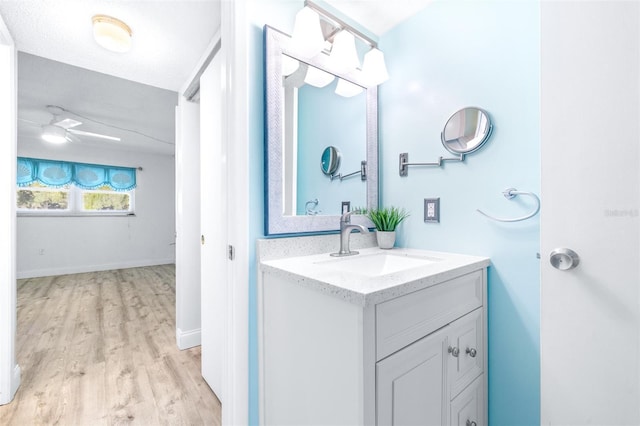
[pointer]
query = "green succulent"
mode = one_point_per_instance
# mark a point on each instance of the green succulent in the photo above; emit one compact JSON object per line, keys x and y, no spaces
{"x":387,"y":218}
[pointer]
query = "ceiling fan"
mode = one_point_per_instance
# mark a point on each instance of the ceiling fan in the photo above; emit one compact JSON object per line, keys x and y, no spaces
{"x":62,"y":130}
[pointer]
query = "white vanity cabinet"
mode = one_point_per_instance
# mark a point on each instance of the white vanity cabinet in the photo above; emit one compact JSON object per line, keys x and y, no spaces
{"x":344,"y":348}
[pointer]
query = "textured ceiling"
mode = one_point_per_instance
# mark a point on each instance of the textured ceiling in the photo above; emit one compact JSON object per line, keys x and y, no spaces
{"x":60,"y":64}
{"x":169,"y":37}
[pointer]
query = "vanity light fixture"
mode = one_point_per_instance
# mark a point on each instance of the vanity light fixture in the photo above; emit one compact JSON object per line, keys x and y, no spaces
{"x":111,"y":33}
{"x":318,"y":78}
{"x":343,"y":53}
{"x":307,"y":38}
{"x":289,"y":65}
{"x":347,"y":89}
{"x":315,"y":28}
{"x":374,"y":67}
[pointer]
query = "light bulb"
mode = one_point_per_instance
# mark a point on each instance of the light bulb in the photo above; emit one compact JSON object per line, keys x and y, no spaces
{"x":343,"y":53}
{"x":307,"y":39}
{"x":374,"y":68}
{"x":289,"y":65}
{"x":347,"y":89}
{"x":317,"y":77}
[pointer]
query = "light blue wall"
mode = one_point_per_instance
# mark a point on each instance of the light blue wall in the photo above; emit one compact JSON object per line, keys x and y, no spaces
{"x":486,"y":54}
{"x":453,"y":54}
{"x":329,"y":119}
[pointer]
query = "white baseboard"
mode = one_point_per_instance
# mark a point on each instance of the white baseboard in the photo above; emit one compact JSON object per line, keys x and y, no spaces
{"x":48,"y":272}
{"x":15,"y":381}
{"x":12,"y":386}
{"x":188,"y":339}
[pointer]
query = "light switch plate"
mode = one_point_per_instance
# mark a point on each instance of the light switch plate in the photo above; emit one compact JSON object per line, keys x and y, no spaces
{"x":432,"y":210}
{"x":346,"y":207}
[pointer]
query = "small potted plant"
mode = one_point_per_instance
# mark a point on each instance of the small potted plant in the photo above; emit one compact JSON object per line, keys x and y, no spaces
{"x":386,"y":220}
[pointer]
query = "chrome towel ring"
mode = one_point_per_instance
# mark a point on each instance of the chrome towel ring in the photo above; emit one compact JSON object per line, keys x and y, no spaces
{"x":509,"y":194}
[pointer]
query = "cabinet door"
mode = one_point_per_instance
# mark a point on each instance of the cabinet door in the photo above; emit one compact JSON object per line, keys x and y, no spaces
{"x":412,"y":384}
{"x":467,"y":409}
{"x":466,"y":357}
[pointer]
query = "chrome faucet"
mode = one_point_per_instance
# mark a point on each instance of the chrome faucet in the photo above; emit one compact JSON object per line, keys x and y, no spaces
{"x":345,"y":230}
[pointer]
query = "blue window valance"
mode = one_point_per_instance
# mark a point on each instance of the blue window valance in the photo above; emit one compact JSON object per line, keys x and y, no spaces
{"x":86,"y":176}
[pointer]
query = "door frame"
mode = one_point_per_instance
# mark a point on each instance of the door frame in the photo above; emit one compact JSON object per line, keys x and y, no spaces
{"x":9,"y":369}
{"x":235,"y":134}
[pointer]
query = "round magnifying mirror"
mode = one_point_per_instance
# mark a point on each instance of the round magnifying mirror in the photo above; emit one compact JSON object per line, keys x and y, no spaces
{"x":330,"y":160}
{"x":466,"y":130}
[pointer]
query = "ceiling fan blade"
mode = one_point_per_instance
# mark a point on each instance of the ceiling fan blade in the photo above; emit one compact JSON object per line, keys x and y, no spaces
{"x":67,"y":123}
{"x":93,"y":135}
{"x":73,"y":138}
{"x":33,"y":123}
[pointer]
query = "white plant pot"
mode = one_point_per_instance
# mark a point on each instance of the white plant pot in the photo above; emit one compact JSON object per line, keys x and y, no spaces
{"x":386,"y":239}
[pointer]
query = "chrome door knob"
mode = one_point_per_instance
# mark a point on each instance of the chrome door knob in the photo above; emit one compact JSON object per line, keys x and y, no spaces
{"x":454,"y":351}
{"x":472,"y":352}
{"x":471,"y":423}
{"x":564,"y":259}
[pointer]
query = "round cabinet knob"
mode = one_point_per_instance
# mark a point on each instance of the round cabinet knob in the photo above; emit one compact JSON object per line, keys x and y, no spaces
{"x":454,"y":351}
{"x":472,"y":352}
{"x":564,"y":259}
{"x":471,"y":423}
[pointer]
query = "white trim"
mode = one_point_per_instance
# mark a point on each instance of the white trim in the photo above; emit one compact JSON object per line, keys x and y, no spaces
{"x":235,"y":410}
{"x":9,"y":368}
{"x":209,"y":53}
{"x":188,"y":339}
{"x":47,"y":272}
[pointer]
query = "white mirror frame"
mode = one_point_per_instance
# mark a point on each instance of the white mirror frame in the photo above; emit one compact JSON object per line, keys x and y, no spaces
{"x":276,"y":223}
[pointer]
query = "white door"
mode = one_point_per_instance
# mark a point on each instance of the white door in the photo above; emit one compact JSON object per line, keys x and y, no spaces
{"x":590,"y":115}
{"x":9,"y":369}
{"x":213,"y":225}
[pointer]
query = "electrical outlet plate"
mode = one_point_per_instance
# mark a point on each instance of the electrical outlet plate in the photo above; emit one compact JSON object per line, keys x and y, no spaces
{"x":346,"y":207}
{"x":432,"y":210}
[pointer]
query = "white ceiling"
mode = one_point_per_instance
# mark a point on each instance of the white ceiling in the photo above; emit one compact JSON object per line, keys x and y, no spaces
{"x":379,"y":16}
{"x":147,"y":111}
{"x":136,"y":90}
{"x":169,"y":38}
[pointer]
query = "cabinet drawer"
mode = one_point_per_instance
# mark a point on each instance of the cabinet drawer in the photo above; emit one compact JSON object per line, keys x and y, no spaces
{"x":403,"y":320}
{"x":467,"y":409}
{"x":465,"y":338}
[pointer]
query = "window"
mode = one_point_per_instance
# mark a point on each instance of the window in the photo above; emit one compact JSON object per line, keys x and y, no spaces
{"x":47,"y":187}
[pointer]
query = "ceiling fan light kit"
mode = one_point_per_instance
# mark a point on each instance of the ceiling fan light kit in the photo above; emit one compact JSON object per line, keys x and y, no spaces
{"x":54,"y":134}
{"x":111,"y":33}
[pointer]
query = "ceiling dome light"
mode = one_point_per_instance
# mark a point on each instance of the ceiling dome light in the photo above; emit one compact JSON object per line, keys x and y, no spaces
{"x":343,"y":53}
{"x":111,"y":33}
{"x":54,"y":134}
{"x":374,"y":68}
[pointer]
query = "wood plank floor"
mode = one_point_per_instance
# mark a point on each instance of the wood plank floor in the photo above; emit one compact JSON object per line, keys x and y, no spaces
{"x":99,"y":349}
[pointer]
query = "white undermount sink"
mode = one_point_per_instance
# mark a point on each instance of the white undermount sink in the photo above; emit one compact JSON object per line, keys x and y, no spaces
{"x":378,"y":263}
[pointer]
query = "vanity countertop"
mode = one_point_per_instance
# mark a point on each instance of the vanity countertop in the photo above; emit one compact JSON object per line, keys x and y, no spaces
{"x":409,"y":270}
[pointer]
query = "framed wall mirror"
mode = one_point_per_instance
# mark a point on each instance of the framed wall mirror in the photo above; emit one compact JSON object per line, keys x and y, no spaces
{"x":304,"y":115}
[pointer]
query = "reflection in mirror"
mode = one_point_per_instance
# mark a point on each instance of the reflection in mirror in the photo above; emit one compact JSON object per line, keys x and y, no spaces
{"x":466,"y":130}
{"x":303,"y":112}
{"x":330,"y":160}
